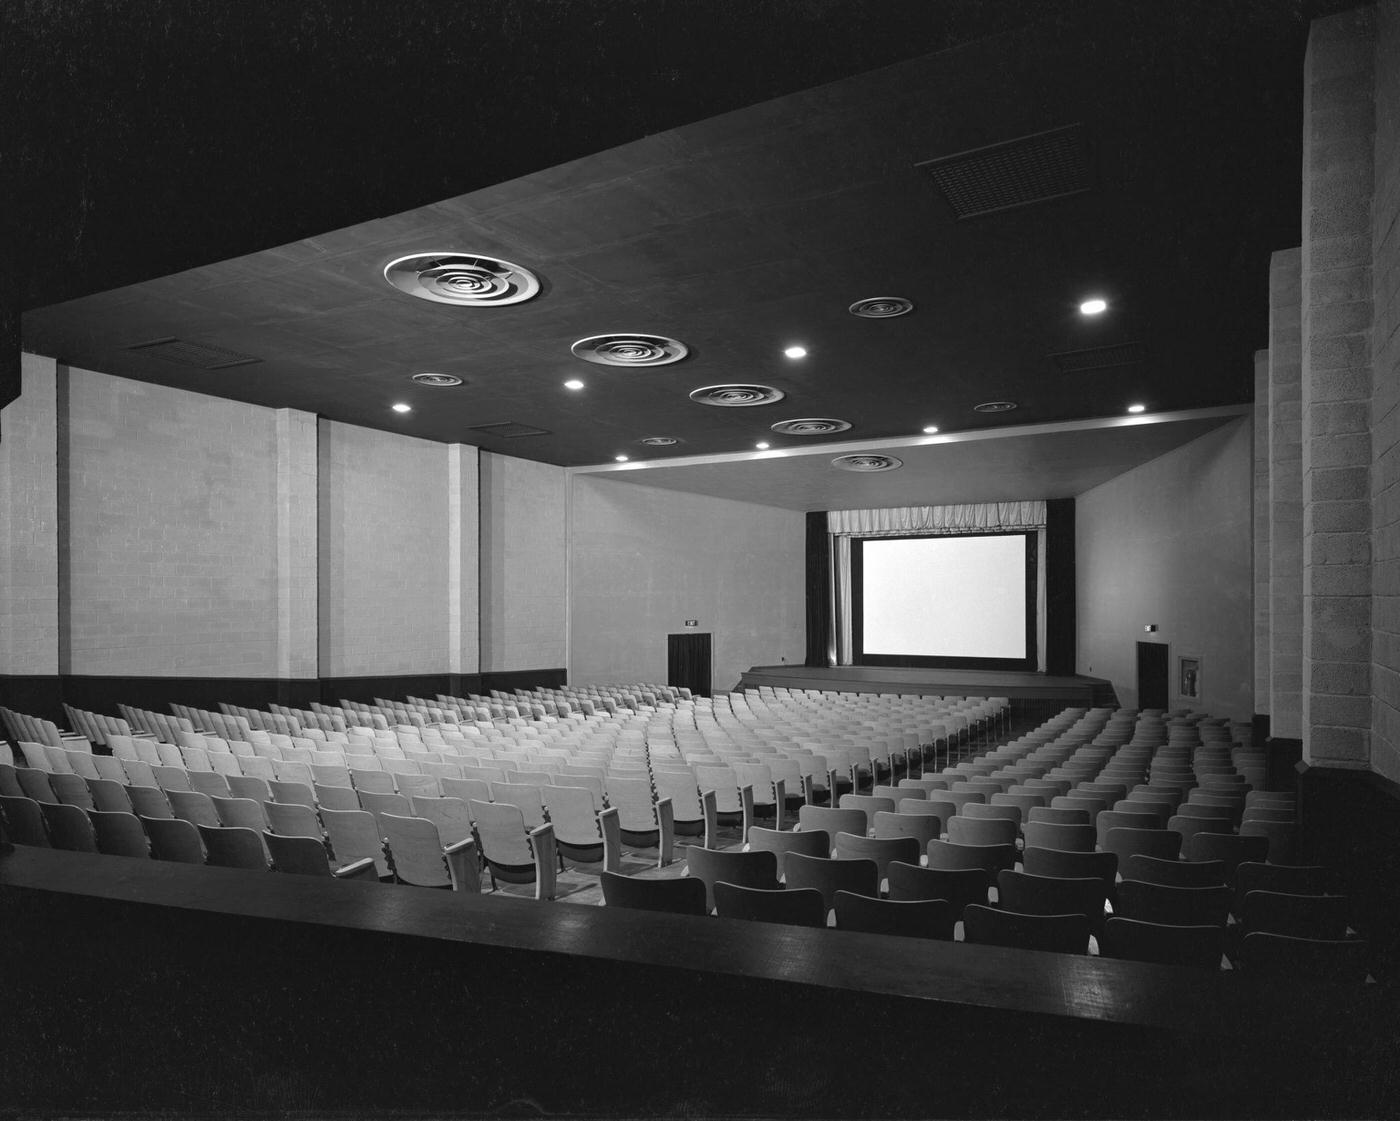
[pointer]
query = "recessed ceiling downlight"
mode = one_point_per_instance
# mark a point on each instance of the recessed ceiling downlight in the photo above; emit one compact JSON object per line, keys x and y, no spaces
{"x":464,"y":279}
{"x":659,"y":441}
{"x":442,"y":381}
{"x":881,"y":307}
{"x":994,"y":407}
{"x":630,"y":350}
{"x":810,"y":426}
{"x":736,"y":396}
{"x":867,"y":462}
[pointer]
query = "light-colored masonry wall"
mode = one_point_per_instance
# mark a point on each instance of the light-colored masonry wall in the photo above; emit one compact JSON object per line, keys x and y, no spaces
{"x":29,"y":524}
{"x":172,"y":523}
{"x":524,"y":536}
{"x":644,"y":560}
{"x":385,"y":522}
{"x":1169,"y":543}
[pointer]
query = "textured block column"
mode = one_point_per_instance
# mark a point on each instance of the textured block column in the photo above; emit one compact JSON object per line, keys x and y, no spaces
{"x":1338,"y":172}
{"x":463,"y":585}
{"x":1285,"y":496}
{"x":296,"y":544}
{"x":1385,"y":402}
{"x":1261,"y":533}
{"x":29,"y":524}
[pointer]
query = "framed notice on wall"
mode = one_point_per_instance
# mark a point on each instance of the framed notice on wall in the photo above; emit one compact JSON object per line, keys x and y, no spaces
{"x":1188,"y":676}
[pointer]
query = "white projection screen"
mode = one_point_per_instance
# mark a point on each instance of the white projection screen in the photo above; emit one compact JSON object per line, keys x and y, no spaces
{"x":953,"y":601}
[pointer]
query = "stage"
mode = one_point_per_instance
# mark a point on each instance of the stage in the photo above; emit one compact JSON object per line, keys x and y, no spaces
{"x":1026,"y":691}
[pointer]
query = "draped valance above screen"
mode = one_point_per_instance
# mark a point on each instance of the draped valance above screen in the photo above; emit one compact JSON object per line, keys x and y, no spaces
{"x":970,"y":517}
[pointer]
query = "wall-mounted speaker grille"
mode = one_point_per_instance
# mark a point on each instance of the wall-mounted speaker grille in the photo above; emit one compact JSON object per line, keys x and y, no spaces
{"x":1029,"y":169}
{"x":509,"y":429}
{"x":180,"y":352}
{"x":1098,"y":358}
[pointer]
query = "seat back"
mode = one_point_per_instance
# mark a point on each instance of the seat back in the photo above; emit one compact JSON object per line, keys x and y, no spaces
{"x":982,"y":831}
{"x":108,"y":796}
{"x":234,"y":846}
{"x":914,"y":918}
{"x":1174,"y":873}
{"x":791,"y":907}
{"x":683,"y":896}
{"x":830,"y":821}
{"x":809,"y":842}
{"x":299,"y":856}
{"x":1061,"y":816}
{"x":175,"y":839}
{"x":195,"y":808}
{"x":828,"y":876}
{"x":633,"y":799}
{"x":683,"y":790}
{"x":292,"y":819}
{"x":500,"y":827}
{"x":416,"y":851}
{"x":71,"y":790}
{"x":988,"y":926}
{"x":882,"y":850}
{"x":354,"y":835}
{"x":1295,"y":960}
{"x":1031,"y":894}
{"x":952,"y":855}
{"x":1179,"y":906}
{"x":120,"y":834}
{"x":573,"y":811}
{"x":148,"y":801}
{"x":757,"y":869}
{"x":528,"y":799}
{"x":958,"y":887}
{"x":1199,"y":947}
{"x":922,"y":827}
{"x":1161,"y":843}
{"x":1066,"y":838}
{"x":1070,"y":865}
{"x":1229,"y":848}
{"x":69,"y":827}
{"x":1320,"y":917}
{"x":246,"y":786}
{"x":466,"y":789}
{"x":450,"y":815}
{"x":34,"y":784}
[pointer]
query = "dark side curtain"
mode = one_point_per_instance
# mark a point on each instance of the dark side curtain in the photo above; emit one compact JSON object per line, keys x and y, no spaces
{"x":818,"y":588}
{"x":1060,"y":621}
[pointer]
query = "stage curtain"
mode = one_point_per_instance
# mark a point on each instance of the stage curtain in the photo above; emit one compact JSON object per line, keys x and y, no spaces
{"x":971,"y":517}
{"x":819,"y":637}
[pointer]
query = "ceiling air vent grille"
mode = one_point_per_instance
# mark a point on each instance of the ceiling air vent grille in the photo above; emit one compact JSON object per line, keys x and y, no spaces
{"x":1098,"y":358}
{"x":181,"y":352}
{"x":1014,"y":173}
{"x":509,"y":430}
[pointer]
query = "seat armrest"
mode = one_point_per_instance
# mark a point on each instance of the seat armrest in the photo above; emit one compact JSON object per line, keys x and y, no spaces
{"x":666,"y":829}
{"x":546,"y":857}
{"x":362,"y":869}
{"x":462,"y":865}
{"x":610,"y":823}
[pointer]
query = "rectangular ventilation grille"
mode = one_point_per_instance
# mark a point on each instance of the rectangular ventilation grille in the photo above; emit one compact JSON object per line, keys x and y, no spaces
{"x":509,"y":430}
{"x":1099,"y":358}
{"x":1014,"y":173}
{"x":180,"y":352}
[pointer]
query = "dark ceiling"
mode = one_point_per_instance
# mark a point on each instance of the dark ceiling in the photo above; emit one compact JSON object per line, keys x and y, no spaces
{"x":227,"y":142}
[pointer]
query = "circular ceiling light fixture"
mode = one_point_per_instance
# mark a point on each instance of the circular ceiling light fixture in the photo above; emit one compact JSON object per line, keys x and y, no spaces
{"x":1095,"y":306}
{"x":762,"y":445}
{"x":881,"y":307}
{"x":441,"y":381}
{"x":1137,"y":408}
{"x":994,"y":407}
{"x":810,"y":426}
{"x":463,"y":279}
{"x":400,"y":407}
{"x":867,"y":462}
{"x":736,"y":396}
{"x":930,"y":429}
{"x":620,"y":458}
{"x":795,"y":352}
{"x":659,"y":441}
{"x":630,"y":350}
{"x":573,"y":383}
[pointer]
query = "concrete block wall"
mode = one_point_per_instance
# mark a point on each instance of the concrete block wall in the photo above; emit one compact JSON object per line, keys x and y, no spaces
{"x":644,"y":560}
{"x":383,"y":580}
{"x":524,"y":570}
{"x":1385,"y":401}
{"x":168,"y":532}
{"x":1338,"y":142}
{"x":1285,"y":495}
{"x":1261,"y":533}
{"x":29,"y":524}
{"x":1169,"y":543}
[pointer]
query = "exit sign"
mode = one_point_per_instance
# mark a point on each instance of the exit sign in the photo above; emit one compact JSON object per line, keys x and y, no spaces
{"x":692,"y":622}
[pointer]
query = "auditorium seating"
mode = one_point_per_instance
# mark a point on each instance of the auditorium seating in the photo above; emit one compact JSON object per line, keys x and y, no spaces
{"x":606,"y":781}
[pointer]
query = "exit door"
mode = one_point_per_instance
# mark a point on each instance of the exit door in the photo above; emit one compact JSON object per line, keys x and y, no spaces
{"x":688,"y":662}
{"x":1152,"y":677}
